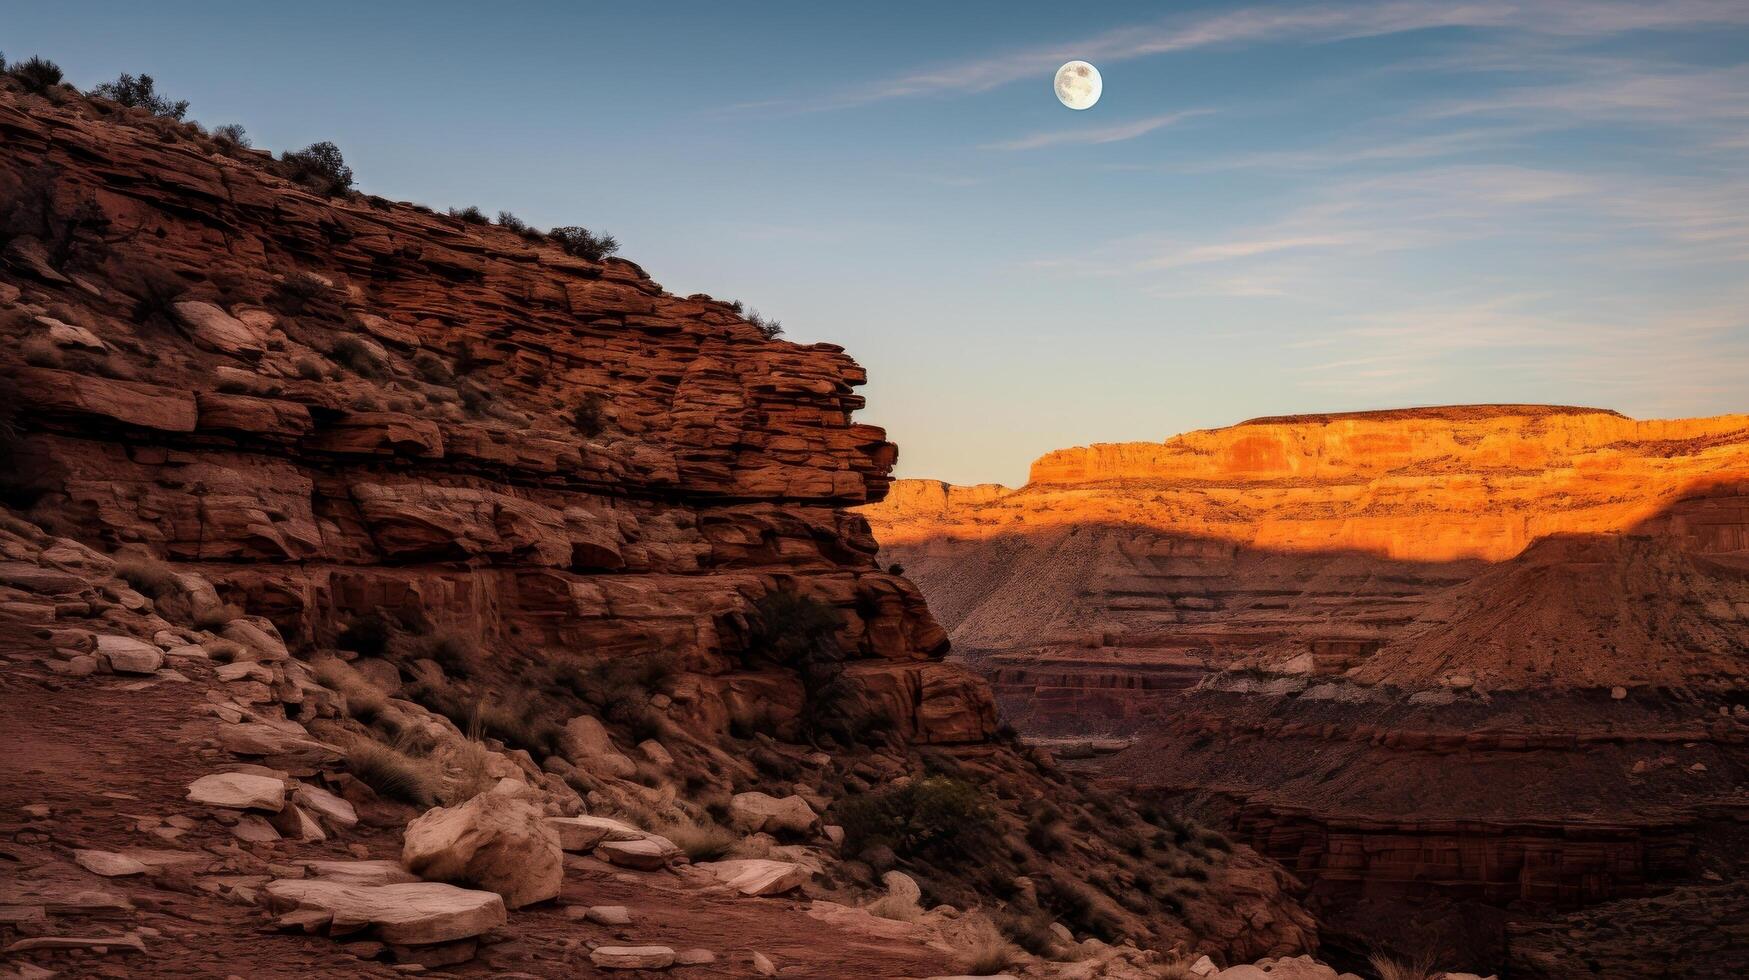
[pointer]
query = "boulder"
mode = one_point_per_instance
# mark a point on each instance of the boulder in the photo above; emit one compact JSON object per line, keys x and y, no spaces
{"x":608,"y":915}
{"x":493,"y":841}
{"x":329,"y":808}
{"x":901,"y":887}
{"x":757,"y":876}
{"x":219,"y":330}
{"x":760,"y":813}
{"x":239,"y":791}
{"x":409,"y":914}
{"x":127,"y":655}
{"x":632,"y":957}
{"x":588,"y":745}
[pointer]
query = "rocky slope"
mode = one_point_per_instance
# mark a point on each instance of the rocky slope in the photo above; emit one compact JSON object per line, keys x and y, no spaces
{"x":322,"y":510}
{"x":1480,"y":655}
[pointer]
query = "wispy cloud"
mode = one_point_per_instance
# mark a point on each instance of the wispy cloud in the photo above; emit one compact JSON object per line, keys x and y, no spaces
{"x":1298,"y":24}
{"x":1103,"y":134}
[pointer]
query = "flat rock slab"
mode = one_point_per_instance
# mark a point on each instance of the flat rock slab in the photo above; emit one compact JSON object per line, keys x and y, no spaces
{"x":641,"y":855}
{"x":585,"y":832}
{"x":331,"y":809}
{"x":757,"y":876}
{"x":409,"y":914}
{"x":361,"y":872}
{"x":128,"y":655}
{"x":632,"y":957}
{"x":239,"y":791}
{"x":109,"y":864}
{"x":131,"y":944}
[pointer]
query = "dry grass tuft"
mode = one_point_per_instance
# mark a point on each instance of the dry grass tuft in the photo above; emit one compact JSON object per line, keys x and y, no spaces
{"x":1391,"y":968}
{"x":397,"y":772}
{"x":985,"y":951}
{"x":212,"y":619}
{"x":895,"y":908}
{"x":364,"y":700}
{"x":701,"y":840}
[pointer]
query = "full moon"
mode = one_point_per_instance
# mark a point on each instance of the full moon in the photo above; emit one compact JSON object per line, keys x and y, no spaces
{"x":1078,"y":85}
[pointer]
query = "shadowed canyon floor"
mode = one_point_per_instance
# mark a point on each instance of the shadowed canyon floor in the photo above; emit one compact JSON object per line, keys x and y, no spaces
{"x":1487,"y":658}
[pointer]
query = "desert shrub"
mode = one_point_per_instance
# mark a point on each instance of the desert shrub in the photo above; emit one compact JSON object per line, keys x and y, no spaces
{"x":470,"y":215}
{"x":366,"y":634}
{"x":141,"y":93}
{"x":37,"y":75}
{"x":456,"y":654}
{"x":433,"y":368}
{"x":587,"y":415}
{"x":896,"y":908}
{"x":1045,"y":835}
{"x":300,"y":293}
{"x":523,"y":725}
{"x":231,"y":134}
{"x":71,"y":236}
{"x":1391,"y":968}
{"x":795,"y":630}
{"x":155,"y":291}
{"x":356,"y":356}
{"x":1079,"y":906}
{"x":318,"y":167}
{"x":149,"y":577}
{"x":581,"y":242}
{"x":364,"y":700}
{"x":1030,"y":931}
{"x":701,"y":840}
{"x":604,"y":683}
{"x":769,"y":329}
{"x":938,"y":816}
{"x":309,"y":369}
{"x":400,"y":771}
{"x":511,"y":222}
{"x":983,"y":949}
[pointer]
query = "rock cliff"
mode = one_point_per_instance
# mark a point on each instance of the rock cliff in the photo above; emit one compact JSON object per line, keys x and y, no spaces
{"x":407,"y":509}
{"x":1484,"y":655}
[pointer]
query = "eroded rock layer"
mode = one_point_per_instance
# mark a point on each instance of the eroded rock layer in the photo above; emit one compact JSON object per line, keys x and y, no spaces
{"x":504,"y":520}
{"x":1490,"y":655}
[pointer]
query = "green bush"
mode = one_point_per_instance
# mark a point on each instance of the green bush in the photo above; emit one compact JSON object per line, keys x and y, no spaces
{"x":936,"y":817}
{"x":469,"y":215}
{"x":37,"y":75}
{"x":581,"y":242}
{"x":318,"y":167}
{"x":140,"y":93}
{"x":231,"y":134}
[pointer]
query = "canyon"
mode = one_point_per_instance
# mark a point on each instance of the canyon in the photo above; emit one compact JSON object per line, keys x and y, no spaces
{"x":385,"y":591}
{"x":1466,"y":670}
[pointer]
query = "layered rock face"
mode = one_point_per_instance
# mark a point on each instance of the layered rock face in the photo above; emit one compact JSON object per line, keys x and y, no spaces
{"x":1482,"y":655}
{"x":504,"y":517}
{"x":406,"y":439}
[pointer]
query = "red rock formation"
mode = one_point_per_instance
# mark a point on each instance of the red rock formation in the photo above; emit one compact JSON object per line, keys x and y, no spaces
{"x":1482,"y":655}
{"x":338,"y":409}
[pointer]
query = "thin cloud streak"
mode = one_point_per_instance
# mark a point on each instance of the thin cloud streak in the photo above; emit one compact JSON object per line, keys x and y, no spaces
{"x":1106,"y":134}
{"x":1306,"y":25}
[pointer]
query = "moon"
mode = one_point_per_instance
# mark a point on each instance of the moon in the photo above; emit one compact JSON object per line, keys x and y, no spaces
{"x":1078,"y":85}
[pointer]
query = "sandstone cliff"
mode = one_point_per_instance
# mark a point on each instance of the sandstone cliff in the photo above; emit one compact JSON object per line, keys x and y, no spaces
{"x":394,"y":489}
{"x":1478,"y":655}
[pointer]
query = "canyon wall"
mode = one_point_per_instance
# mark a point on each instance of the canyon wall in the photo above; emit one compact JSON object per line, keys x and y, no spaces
{"x":1480,"y":655}
{"x":579,"y":515}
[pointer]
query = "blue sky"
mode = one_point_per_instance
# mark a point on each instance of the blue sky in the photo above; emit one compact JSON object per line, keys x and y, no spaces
{"x":1273,"y":209}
